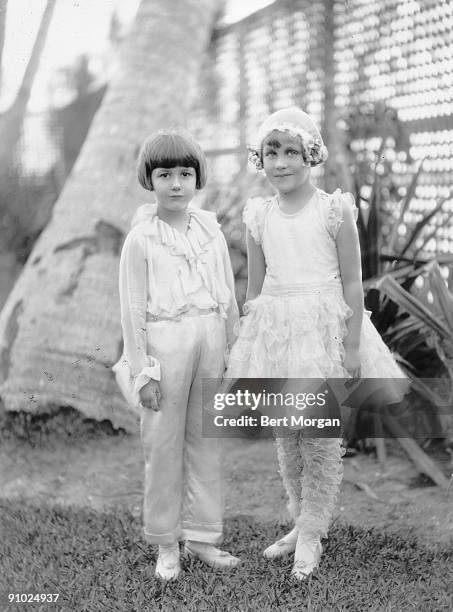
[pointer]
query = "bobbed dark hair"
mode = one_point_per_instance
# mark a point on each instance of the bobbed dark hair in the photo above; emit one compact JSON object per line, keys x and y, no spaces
{"x":168,"y":149}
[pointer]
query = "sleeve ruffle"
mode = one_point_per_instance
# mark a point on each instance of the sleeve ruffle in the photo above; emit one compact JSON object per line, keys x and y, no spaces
{"x":130,"y":385}
{"x":337,"y":203}
{"x":253,"y":217}
{"x":150,"y":372}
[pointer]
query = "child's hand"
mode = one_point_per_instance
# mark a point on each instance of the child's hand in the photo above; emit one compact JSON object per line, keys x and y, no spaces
{"x":209,"y":398}
{"x":224,"y":386}
{"x":351,"y":362}
{"x":150,"y":395}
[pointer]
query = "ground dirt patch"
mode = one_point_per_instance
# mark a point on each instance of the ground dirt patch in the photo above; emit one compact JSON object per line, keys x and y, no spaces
{"x":107,"y":471}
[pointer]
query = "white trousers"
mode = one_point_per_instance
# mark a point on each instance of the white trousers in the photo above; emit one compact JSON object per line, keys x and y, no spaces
{"x":183,"y":489}
{"x":312,"y":470}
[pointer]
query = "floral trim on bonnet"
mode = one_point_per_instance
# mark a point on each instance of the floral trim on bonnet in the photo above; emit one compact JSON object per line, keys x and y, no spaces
{"x":314,"y":152}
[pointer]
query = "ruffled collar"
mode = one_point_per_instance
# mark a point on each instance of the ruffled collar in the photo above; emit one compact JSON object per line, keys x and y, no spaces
{"x":201,"y":230}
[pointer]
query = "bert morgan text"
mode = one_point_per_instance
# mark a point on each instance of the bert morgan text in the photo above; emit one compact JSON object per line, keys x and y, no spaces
{"x":267,"y":421}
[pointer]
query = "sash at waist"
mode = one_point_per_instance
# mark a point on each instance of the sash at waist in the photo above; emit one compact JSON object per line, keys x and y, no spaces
{"x":193,"y":311}
{"x":333,"y":286}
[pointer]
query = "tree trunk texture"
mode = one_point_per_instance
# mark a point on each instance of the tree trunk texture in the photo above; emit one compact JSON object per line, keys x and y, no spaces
{"x":12,"y":120}
{"x":3,"y":7}
{"x":336,"y":169}
{"x":60,"y":328}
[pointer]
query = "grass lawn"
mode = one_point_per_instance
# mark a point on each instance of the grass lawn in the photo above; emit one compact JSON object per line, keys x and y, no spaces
{"x":98,"y":561}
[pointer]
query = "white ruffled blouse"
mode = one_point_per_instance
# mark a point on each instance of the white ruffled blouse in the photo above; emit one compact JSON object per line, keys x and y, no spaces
{"x":165,"y":273}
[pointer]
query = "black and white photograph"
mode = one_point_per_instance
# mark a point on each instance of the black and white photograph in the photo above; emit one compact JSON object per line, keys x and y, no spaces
{"x":226,"y":305}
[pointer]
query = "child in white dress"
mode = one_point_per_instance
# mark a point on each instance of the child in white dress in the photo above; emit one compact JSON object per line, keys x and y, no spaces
{"x":178,"y":313}
{"x":304,"y":314}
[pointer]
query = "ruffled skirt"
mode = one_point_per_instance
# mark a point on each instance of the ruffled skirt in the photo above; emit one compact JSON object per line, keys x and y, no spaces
{"x":300,"y":335}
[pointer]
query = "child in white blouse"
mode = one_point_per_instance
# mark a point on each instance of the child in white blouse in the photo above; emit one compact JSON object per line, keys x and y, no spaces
{"x":178,"y":312}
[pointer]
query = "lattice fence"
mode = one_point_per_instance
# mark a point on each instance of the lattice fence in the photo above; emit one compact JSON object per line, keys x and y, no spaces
{"x":395,"y":51}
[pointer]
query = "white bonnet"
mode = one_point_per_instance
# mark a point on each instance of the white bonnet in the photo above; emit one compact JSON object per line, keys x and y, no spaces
{"x":296,"y":122}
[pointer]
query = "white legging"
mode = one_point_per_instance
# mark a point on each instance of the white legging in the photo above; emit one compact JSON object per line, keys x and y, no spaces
{"x":311,"y":469}
{"x":183,"y":482}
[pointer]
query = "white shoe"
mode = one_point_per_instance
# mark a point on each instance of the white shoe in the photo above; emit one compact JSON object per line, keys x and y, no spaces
{"x":212,"y":556}
{"x":282,"y":547}
{"x":307,"y":557}
{"x":168,"y":566}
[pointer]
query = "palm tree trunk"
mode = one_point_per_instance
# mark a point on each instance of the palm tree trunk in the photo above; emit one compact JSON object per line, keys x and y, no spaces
{"x":60,"y":329}
{"x":11,"y":121}
{"x":3,"y":7}
{"x":336,"y":169}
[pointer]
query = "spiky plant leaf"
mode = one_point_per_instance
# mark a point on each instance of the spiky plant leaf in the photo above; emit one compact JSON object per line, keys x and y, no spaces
{"x":421,"y":224}
{"x":412,"y":305}
{"x":431,"y":234}
{"x":442,"y":296}
{"x":402,"y":329}
{"x":405,"y":203}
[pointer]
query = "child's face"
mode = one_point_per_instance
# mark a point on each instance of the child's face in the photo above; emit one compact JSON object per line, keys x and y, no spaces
{"x":174,"y":187}
{"x":283,"y":162}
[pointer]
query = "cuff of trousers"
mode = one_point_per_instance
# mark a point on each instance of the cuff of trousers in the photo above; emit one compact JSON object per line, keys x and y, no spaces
{"x":208,"y":534}
{"x":162,"y":538}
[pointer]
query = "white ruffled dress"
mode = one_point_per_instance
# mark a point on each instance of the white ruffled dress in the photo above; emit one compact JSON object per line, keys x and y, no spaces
{"x":296,"y":326}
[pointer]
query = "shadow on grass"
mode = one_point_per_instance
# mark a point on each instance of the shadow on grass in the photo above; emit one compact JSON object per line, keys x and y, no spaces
{"x":98,"y":561}
{"x":61,"y":422}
